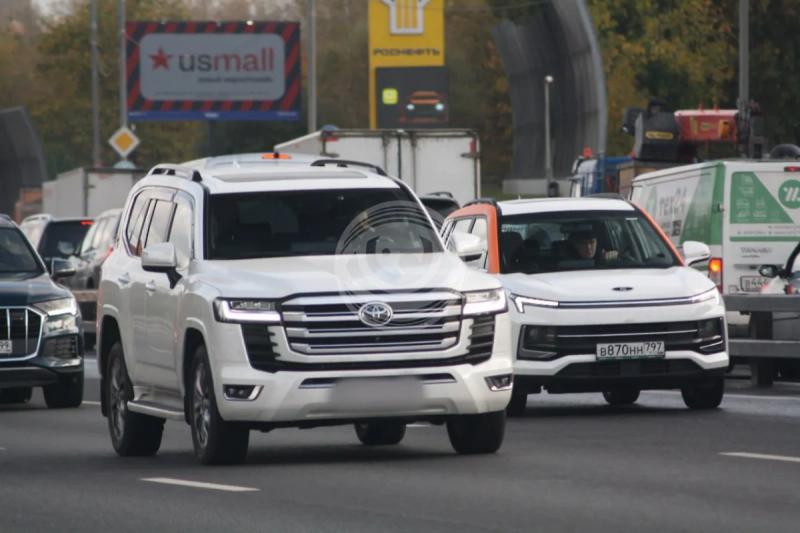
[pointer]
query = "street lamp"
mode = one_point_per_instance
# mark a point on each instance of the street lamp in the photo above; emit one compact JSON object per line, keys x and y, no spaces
{"x":548,"y":164}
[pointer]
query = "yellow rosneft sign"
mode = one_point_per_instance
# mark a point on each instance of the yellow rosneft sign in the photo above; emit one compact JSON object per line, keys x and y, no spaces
{"x":404,"y":33}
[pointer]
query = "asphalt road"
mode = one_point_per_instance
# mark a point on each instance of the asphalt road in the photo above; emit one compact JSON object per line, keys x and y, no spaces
{"x":570,"y":464}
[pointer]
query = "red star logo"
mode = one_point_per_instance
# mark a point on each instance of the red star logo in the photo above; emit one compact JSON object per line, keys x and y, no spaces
{"x":160,"y":59}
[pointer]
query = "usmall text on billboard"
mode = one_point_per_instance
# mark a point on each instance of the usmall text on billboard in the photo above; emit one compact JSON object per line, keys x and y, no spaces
{"x":213,"y":70}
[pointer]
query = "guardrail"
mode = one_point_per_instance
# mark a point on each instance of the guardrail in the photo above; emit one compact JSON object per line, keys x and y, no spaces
{"x":761,"y":350}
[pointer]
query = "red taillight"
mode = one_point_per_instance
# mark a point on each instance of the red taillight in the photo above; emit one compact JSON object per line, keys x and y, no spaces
{"x":791,"y":168}
{"x":791,"y":289}
{"x":87,"y":222}
{"x":715,"y":271}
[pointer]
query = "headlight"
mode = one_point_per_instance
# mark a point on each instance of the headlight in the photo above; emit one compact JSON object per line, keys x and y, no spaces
{"x":711,"y":294}
{"x":520,"y":302}
{"x":439,"y":107}
{"x":63,"y":306}
{"x":485,"y":302}
{"x":410,"y":107}
{"x":260,"y":311}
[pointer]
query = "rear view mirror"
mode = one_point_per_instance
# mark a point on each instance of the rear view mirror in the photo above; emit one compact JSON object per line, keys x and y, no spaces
{"x":769,"y":271}
{"x":467,"y":246}
{"x":159,"y":258}
{"x":695,"y":252}
{"x":61,"y":268}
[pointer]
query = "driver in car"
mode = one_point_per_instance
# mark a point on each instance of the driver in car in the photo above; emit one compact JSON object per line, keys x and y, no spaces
{"x":583,"y":245}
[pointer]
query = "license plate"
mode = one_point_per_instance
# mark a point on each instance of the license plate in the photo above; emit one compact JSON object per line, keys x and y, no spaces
{"x":630,"y":350}
{"x":378,"y":395}
{"x":752,"y":283}
{"x":5,"y":347}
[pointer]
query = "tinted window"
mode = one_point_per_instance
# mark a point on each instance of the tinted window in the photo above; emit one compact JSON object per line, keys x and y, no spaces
{"x":63,"y":238}
{"x":16,"y":257}
{"x":581,"y":240}
{"x":136,"y":220}
{"x":109,"y":233}
{"x":319,"y":222}
{"x":181,"y":233}
{"x":159,"y":223}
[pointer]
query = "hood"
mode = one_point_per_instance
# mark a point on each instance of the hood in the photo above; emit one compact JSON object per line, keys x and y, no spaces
{"x":14,"y":293}
{"x":281,"y":277}
{"x":599,"y":285}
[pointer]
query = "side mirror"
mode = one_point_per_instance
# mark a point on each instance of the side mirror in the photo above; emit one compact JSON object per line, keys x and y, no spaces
{"x":467,"y":246}
{"x":61,"y":268}
{"x":769,"y":271}
{"x":695,"y":252}
{"x":161,"y":257}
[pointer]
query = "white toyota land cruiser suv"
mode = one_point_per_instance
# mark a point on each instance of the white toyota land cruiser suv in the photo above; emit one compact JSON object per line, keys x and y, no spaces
{"x":259,"y":297}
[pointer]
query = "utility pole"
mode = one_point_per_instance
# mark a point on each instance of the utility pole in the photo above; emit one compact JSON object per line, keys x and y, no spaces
{"x":744,"y":69}
{"x":548,"y":162}
{"x":123,"y":90}
{"x":95,"y":88}
{"x":312,"y":66}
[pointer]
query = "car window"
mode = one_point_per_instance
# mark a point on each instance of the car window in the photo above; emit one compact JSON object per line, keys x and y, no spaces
{"x":479,"y":229}
{"x":581,"y":240}
{"x":180,"y":234}
{"x":109,"y":233}
{"x":319,"y":222}
{"x":86,"y":245}
{"x":462,"y":225}
{"x":33,"y":231}
{"x":17,"y":259}
{"x":136,"y":220}
{"x":63,"y":238}
{"x":159,"y":223}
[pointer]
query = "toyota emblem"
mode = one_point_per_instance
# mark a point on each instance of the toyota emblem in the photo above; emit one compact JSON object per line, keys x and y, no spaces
{"x":375,"y":314}
{"x":622,"y":289}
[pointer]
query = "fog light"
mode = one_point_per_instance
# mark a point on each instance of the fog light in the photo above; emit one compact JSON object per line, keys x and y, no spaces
{"x":707,"y":329}
{"x":499,"y":383}
{"x":241,"y":393}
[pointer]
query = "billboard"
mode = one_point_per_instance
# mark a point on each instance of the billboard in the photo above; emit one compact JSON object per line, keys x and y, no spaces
{"x":404,"y":35}
{"x":412,"y":97}
{"x":213,"y":70}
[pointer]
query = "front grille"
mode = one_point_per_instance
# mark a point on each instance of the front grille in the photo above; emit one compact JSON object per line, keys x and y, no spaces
{"x":634,"y":368}
{"x":543,"y":342}
{"x":330,"y":325}
{"x":65,"y":347}
{"x":22,"y":327}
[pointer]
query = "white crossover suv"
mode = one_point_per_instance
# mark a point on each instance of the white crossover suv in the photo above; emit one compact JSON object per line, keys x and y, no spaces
{"x":601,"y":301}
{"x":299,"y":295}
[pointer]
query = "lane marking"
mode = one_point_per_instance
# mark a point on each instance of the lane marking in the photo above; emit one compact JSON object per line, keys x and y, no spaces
{"x":762,"y":456}
{"x":731,"y":395}
{"x":88,"y":402}
{"x":199,"y":485}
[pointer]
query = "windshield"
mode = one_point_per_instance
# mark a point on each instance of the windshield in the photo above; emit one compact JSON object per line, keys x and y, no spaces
{"x":318,"y":222}
{"x":17,"y":259}
{"x":581,"y":240}
{"x":61,"y":239}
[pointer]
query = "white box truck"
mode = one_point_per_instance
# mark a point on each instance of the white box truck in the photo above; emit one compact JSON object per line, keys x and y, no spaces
{"x":748,"y":212}
{"x":87,"y":192}
{"x":429,"y":161}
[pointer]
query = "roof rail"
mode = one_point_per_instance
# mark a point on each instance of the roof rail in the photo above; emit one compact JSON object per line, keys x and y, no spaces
{"x":181,"y":171}
{"x":477,"y":201}
{"x":344,"y":163}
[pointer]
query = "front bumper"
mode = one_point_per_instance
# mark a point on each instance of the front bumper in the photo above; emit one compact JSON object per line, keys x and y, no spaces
{"x":308,"y":395}
{"x":59,"y":358}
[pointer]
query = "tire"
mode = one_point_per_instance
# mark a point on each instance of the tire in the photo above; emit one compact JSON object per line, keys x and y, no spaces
{"x":15,"y":395}
{"x":215,"y":441}
{"x":621,"y":396}
{"x":704,"y":397}
{"x":68,"y":392}
{"x":477,"y":434}
{"x":517,"y":404}
{"x":132,"y":434}
{"x":380,"y":433}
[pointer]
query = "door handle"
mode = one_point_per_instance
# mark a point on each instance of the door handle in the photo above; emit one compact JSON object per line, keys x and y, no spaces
{"x":150,"y":286}
{"x":124,"y":279}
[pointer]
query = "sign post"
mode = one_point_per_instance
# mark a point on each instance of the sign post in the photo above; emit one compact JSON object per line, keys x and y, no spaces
{"x":407,"y":76}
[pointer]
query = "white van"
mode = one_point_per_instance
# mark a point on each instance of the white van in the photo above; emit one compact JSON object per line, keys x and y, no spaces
{"x":748,"y":212}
